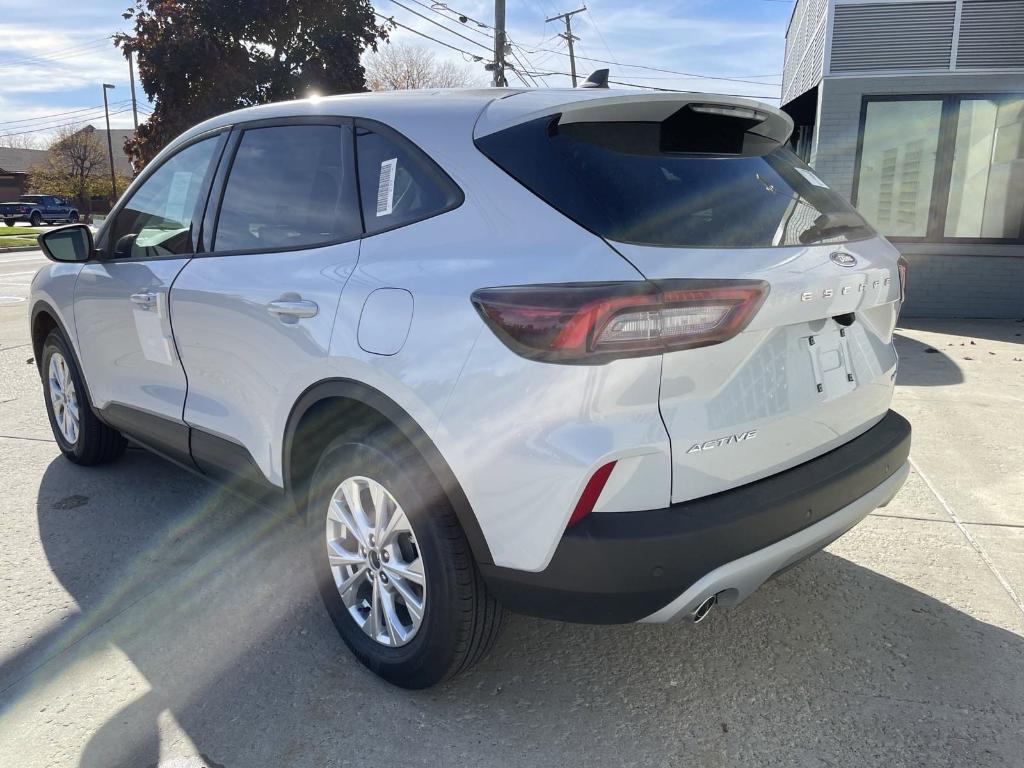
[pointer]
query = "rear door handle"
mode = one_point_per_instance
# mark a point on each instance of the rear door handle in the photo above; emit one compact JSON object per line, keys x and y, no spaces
{"x":144,"y":300}
{"x":290,"y":310}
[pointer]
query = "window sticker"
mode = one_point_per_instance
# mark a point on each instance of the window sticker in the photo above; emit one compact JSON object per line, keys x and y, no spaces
{"x":386,"y":190}
{"x":812,"y":178}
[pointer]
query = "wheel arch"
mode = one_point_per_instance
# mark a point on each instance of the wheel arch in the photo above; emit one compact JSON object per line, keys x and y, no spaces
{"x":44,"y":320}
{"x":337,"y":397}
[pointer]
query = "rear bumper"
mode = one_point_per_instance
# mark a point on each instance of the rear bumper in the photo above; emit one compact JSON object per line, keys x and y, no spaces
{"x":659,"y":565}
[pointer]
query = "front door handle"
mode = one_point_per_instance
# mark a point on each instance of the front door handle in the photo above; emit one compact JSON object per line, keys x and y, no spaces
{"x":290,"y":310}
{"x":144,"y":300}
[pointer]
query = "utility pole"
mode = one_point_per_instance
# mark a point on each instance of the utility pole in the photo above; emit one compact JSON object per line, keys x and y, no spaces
{"x":568,"y":37}
{"x":131,"y":80}
{"x":499,"y":80}
{"x":110,"y":145}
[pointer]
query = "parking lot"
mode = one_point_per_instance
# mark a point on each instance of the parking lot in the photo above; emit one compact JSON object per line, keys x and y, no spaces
{"x":147,"y":618}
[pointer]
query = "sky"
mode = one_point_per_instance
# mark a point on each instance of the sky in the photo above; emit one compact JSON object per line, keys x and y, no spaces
{"x":52,"y":65}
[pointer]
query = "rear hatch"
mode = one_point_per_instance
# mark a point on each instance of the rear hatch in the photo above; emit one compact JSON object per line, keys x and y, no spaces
{"x":692,"y":186}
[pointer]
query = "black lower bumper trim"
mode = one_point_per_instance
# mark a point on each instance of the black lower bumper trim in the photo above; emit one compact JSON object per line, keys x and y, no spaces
{"x":619,"y":567}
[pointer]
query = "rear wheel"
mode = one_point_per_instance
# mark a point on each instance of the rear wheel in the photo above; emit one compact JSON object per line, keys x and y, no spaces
{"x":35,"y":219}
{"x":392,"y":564}
{"x":81,"y":437}
{"x":9,"y":222}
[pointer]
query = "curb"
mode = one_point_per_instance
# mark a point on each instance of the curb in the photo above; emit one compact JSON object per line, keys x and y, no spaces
{"x":17,"y":248}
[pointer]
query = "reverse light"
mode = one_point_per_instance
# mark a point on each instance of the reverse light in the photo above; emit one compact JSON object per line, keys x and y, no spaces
{"x":902,"y":266}
{"x":594,"y":323}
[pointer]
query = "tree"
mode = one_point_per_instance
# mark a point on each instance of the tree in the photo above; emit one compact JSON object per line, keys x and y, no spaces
{"x":199,"y":58}
{"x":76,"y":166}
{"x":401,"y":66}
{"x":19,"y":140}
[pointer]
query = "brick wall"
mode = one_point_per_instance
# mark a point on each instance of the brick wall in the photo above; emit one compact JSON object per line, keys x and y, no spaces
{"x":946,"y":280}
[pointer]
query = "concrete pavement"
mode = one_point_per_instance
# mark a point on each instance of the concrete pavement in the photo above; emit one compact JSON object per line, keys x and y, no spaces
{"x":146,"y":618}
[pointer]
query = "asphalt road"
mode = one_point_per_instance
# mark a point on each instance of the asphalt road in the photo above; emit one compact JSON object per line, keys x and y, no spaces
{"x":148,"y":619}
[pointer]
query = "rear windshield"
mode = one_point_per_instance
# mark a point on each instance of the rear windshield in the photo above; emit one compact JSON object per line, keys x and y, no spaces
{"x":630,"y":183}
{"x":29,"y":198}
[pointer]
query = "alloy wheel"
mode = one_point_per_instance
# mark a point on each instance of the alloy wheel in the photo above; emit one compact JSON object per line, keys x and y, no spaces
{"x":375,"y":560}
{"x":63,"y":398}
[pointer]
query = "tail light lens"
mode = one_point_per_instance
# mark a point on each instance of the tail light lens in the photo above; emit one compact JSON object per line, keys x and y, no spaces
{"x":594,"y":323}
{"x":902,"y":265}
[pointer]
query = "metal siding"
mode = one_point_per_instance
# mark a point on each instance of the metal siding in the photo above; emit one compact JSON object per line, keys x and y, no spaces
{"x":991,"y":34}
{"x":805,"y":49}
{"x":879,"y":36}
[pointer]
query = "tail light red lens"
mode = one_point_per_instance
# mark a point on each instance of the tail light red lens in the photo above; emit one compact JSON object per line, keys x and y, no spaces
{"x":902,"y":265}
{"x":594,"y":323}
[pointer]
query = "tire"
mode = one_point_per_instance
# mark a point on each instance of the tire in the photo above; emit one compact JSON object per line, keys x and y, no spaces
{"x":73,"y":218}
{"x":460,"y":619}
{"x":90,"y":441}
{"x":9,"y":222}
{"x":35,"y":219}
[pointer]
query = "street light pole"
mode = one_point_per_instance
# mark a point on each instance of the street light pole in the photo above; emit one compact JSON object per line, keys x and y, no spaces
{"x":110,"y":145}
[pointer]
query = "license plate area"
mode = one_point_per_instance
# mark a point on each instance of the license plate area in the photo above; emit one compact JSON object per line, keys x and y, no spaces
{"x":831,"y":363}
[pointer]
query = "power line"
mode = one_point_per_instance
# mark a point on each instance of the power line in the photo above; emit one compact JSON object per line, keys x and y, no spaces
{"x":440,"y":8}
{"x":38,"y":118}
{"x":442,"y":26}
{"x":424,"y":34}
{"x":659,"y":69}
{"x":44,"y":128}
{"x":666,"y":90}
{"x":67,"y":53}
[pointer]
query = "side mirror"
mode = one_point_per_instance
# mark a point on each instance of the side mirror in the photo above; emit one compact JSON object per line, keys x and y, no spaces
{"x":67,"y":244}
{"x":123,"y":246}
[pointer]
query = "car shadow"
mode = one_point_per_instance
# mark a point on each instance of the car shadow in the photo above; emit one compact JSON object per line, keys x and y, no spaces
{"x":210,"y":601}
{"x":1009,"y":331}
{"x":922,"y":365}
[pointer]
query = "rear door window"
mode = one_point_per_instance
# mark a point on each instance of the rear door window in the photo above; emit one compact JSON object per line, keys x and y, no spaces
{"x":398,"y":183}
{"x":665,"y":184}
{"x":290,"y":186}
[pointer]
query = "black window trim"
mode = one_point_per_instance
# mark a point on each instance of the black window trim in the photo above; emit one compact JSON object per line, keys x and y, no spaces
{"x":102,"y":241}
{"x":936,"y":227}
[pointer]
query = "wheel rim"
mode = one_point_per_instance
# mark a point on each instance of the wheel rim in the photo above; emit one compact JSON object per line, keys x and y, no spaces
{"x":376,"y":561}
{"x":63,"y":398}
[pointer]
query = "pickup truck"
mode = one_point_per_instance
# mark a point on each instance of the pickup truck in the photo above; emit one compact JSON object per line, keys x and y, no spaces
{"x":37,"y":210}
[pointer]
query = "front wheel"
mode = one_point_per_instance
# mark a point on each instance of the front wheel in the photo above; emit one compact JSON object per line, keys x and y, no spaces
{"x":81,"y":437}
{"x":393,"y":565}
{"x":73,"y":218}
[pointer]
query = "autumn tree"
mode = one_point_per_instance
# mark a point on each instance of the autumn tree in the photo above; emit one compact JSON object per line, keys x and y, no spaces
{"x":199,"y":58}
{"x":400,"y":66}
{"x":76,"y":166}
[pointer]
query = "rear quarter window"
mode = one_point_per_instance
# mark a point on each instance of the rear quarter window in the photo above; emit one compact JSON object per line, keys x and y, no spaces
{"x":398,"y":183}
{"x":640,"y":183}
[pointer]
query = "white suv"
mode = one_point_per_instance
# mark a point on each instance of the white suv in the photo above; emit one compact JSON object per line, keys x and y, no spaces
{"x":585,"y":355}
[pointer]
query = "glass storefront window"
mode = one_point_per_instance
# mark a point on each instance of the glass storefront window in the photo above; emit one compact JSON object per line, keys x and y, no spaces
{"x":943,"y":167}
{"x":986,"y":191}
{"x":897,"y":166}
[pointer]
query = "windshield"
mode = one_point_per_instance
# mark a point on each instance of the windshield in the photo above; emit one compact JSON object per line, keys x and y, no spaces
{"x":617,"y":180}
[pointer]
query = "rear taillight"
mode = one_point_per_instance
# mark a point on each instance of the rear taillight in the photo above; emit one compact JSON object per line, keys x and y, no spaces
{"x":902,"y":266}
{"x":593,"y":323}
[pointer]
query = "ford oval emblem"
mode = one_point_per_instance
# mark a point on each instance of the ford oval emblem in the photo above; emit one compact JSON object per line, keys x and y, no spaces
{"x":843,"y":259}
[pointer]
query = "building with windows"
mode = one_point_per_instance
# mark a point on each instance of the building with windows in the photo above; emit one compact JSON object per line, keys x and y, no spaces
{"x":914,"y":109}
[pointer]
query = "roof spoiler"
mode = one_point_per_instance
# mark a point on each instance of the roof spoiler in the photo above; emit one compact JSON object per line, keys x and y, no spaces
{"x":769,"y":125}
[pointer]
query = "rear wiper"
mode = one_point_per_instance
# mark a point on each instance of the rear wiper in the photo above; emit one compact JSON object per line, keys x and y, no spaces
{"x":832,"y":224}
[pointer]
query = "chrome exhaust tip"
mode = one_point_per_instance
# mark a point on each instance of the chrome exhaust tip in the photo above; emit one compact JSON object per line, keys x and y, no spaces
{"x":704,"y":609}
